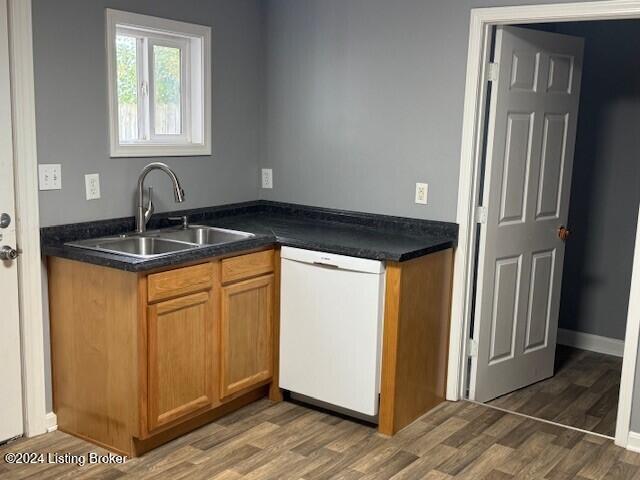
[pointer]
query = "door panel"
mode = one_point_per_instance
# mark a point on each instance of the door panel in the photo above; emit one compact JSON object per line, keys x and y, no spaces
{"x":180,"y":358}
{"x":530,"y":143}
{"x":539,"y":300}
{"x":560,"y":74}
{"x":524,"y":70}
{"x":552,"y":166}
{"x":516,"y":166}
{"x":11,"y":396}
{"x":505,"y":309}
{"x":246,"y":334}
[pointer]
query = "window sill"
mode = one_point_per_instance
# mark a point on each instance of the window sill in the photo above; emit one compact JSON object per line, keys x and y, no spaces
{"x":192,"y":150}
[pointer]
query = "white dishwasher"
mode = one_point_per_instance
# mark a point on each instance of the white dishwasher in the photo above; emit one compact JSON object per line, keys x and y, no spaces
{"x":331,"y":309}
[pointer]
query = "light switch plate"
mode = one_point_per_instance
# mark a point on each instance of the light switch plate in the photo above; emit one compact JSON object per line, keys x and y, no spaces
{"x":422,"y":191}
{"x":267,"y":178}
{"x":92,"y":186}
{"x":50,"y":176}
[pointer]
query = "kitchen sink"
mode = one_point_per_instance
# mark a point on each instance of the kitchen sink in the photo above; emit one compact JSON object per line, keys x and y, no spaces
{"x":162,"y":242}
{"x":135,"y":246}
{"x":202,"y":235}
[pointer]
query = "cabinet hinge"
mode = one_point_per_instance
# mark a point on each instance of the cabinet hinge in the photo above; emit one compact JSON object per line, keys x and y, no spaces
{"x":481,"y":215}
{"x":472,"y":348}
{"x":493,"y":69}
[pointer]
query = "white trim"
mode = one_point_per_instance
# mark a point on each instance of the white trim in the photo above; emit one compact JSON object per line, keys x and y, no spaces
{"x":634,"y":442}
{"x":196,"y":97}
{"x":593,"y":343}
{"x":27,"y":213}
{"x":475,"y":91}
{"x":631,"y":340}
{"x":156,"y":150}
{"x":467,"y":191}
{"x":51,"y":422}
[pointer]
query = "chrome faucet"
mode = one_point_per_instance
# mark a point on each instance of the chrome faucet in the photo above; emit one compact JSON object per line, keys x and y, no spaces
{"x":142,"y":214}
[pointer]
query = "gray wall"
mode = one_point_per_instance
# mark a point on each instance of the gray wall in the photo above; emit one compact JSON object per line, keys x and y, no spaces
{"x":364,"y":98}
{"x":72,"y":119}
{"x":606,"y":181}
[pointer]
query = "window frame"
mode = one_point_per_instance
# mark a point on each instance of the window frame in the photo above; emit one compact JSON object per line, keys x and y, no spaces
{"x":194,"y":42}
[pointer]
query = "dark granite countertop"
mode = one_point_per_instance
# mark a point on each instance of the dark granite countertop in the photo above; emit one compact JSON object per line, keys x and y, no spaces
{"x":364,"y":235}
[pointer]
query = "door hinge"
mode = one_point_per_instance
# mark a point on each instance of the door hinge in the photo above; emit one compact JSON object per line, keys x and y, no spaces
{"x":472,"y":348}
{"x":481,"y":215}
{"x":493,"y":69}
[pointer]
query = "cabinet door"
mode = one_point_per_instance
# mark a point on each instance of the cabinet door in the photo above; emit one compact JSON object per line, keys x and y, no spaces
{"x":246,"y":334}
{"x":180,"y":336}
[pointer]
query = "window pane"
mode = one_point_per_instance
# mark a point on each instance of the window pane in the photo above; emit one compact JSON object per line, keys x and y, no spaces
{"x":166,"y":78}
{"x":126,"y":56}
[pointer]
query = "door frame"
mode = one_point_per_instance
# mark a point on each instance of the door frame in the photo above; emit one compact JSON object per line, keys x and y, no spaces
{"x":36,"y":420}
{"x":481,"y":22}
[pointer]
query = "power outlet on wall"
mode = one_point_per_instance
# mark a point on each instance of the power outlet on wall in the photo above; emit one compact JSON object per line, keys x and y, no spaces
{"x":267,"y":178}
{"x":422,"y":191}
{"x":92,"y":186}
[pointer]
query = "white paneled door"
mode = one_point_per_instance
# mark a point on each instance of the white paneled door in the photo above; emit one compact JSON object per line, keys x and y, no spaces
{"x":11,"y":387}
{"x":530,"y":144}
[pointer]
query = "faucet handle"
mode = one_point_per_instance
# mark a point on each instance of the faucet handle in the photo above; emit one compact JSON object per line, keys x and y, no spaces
{"x":149,"y":210}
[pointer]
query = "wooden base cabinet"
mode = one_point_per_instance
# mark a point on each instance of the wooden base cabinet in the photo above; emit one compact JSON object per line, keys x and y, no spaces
{"x":180,"y":358}
{"x":139,"y":359}
{"x":415,"y":342}
{"x":246,"y":334}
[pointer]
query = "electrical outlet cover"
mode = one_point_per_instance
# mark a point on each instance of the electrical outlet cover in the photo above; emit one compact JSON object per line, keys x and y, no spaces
{"x":92,"y":186}
{"x":422,"y":191}
{"x":50,"y":176}
{"x":267,"y":178}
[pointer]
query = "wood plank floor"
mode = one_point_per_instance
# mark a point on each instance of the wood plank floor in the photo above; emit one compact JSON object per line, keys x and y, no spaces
{"x":583,"y":393}
{"x":459,"y":440}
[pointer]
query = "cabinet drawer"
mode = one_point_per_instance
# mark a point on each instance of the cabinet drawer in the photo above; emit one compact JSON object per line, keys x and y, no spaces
{"x":246,"y":266}
{"x":180,"y":281}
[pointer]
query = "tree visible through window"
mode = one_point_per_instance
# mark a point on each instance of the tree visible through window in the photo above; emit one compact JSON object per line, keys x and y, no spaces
{"x":166,"y":68}
{"x":163,"y":71}
{"x":127,"y":88}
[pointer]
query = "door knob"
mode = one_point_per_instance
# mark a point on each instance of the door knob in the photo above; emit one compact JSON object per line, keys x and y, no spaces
{"x":563,"y":233}
{"x":8,"y":253}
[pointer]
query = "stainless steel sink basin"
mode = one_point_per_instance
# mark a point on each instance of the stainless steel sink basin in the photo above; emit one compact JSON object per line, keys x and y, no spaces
{"x":202,"y":235}
{"x":135,"y":246}
{"x":166,"y":241}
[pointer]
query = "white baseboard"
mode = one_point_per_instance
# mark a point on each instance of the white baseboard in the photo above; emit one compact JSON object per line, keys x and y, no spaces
{"x":593,"y":343}
{"x":51,"y":422}
{"x":633,"y":442}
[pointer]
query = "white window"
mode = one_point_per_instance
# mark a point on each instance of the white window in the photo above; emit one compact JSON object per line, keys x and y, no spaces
{"x":159,"y":86}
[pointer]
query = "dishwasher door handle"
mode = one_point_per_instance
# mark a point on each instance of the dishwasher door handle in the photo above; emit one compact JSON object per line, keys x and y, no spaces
{"x":328,"y":265}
